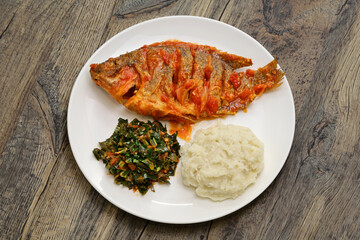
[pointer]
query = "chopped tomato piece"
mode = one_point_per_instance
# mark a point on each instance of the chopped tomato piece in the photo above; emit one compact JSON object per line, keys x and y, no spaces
{"x":208,"y":70}
{"x":250,"y":72}
{"x":212,"y":105}
{"x":235,"y":80}
{"x":229,"y":97}
{"x":259,"y":89}
{"x":244,"y":95}
{"x":164,"y":98}
{"x":94,"y":66}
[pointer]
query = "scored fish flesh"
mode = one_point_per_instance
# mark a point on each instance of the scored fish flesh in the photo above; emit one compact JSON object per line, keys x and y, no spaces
{"x":183,"y":81}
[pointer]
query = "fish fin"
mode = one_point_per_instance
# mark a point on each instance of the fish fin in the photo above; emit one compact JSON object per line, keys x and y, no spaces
{"x":235,"y":61}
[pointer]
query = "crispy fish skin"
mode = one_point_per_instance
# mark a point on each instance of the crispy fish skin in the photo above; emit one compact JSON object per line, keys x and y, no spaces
{"x":183,"y":81}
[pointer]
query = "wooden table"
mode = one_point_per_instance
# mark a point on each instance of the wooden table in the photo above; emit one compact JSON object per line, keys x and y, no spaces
{"x":43,"y":46}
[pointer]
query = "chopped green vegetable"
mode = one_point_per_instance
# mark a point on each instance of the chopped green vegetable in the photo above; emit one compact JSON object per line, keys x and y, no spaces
{"x":138,"y":154}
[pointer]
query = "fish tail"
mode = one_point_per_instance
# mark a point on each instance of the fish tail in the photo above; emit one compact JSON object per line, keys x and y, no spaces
{"x":267,"y":77}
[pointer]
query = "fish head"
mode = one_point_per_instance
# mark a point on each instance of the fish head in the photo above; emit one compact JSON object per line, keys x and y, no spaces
{"x":120,"y":81}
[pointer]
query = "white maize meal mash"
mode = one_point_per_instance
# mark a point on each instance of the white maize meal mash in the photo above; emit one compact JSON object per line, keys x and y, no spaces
{"x":222,"y":161}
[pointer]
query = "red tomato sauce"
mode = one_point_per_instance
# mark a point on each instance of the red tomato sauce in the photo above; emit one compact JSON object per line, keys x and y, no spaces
{"x":184,"y":130}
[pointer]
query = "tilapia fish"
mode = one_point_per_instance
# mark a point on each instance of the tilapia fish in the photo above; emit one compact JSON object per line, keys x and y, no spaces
{"x":183,"y":81}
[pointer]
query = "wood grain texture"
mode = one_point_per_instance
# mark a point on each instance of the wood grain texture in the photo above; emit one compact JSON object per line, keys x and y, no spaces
{"x":43,"y":46}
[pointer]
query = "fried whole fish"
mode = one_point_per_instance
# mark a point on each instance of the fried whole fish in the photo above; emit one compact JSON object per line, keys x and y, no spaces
{"x":183,"y":81}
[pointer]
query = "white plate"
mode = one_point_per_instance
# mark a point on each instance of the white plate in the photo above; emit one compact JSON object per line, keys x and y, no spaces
{"x":93,"y":114}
